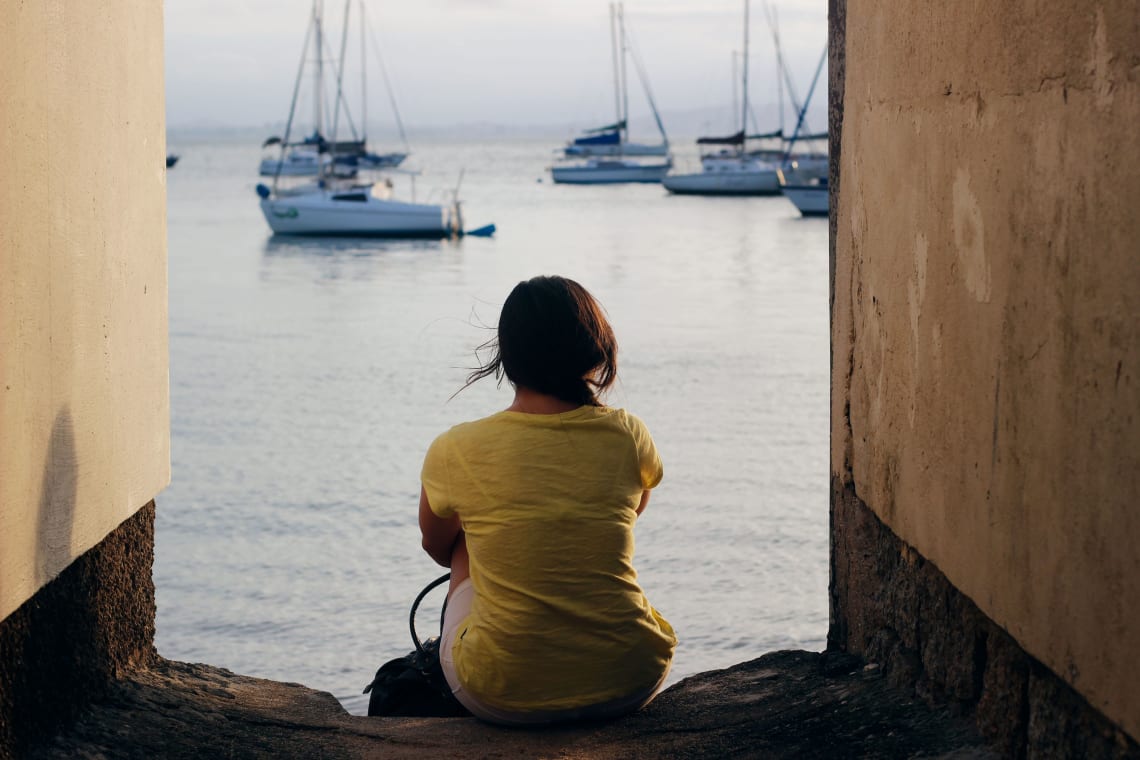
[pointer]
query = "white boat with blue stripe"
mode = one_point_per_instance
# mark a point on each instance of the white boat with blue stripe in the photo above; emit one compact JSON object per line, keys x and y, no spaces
{"x":358,"y":209}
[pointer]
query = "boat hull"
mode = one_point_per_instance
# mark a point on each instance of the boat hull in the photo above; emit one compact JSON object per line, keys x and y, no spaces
{"x":762,"y":182}
{"x":629,"y":149}
{"x":608,"y":175}
{"x":321,"y":214}
{"x":811,"y":200}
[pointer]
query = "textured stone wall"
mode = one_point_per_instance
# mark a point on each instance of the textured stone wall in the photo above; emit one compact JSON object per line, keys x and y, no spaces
{"x":63,"y":647}
{"x":985,"y":352}
{"x":897,"y":610}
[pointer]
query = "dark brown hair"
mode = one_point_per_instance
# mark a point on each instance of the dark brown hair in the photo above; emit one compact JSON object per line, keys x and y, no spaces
{"x":554,"y":338}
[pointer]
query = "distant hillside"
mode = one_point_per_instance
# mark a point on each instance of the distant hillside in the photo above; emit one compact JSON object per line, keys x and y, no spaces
{"x":682,"y":125}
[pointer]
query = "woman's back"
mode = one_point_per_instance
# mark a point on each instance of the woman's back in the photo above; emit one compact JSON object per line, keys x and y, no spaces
{"x":548,"y":503}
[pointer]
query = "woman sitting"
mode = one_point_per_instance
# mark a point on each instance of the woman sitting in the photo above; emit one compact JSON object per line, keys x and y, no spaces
{"x":533,"y":510}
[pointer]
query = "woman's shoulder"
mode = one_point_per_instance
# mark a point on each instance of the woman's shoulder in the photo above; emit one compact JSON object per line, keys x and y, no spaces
{"x":502,"y":422}
{"x":473,"y":428}
{"x":626,"y":419}
{"x":621,"y":421}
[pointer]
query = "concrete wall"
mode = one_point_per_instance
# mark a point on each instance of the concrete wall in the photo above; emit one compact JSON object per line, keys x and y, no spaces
{"x":986,"y":314}
{"x":84,"y":411}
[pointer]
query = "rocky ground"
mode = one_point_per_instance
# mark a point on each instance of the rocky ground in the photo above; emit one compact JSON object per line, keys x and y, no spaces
{"x":782,"y":705}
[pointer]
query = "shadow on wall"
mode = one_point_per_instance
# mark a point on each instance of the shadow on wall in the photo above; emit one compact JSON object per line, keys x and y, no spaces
{"x":92,"y":619}
{"x":44,"y":645}
{"x":57,"y":500}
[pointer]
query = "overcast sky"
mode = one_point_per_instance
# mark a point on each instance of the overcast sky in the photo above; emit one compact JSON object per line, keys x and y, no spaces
{"x":513,"y":62}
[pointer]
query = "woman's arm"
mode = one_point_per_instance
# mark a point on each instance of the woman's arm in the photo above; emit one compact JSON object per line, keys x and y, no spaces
{"x":644,"y":501}
{"x":439,"y":533}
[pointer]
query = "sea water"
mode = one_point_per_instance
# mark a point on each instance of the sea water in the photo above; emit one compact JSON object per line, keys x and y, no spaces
{"x":308,"y":376}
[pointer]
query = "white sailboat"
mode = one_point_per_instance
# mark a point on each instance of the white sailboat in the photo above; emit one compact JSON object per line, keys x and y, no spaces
{"x":602,"y":171}
{"x":364,"y":210}
{"x":735,"y":175}
{"x":609,"y":155}
{"x":334,"y":206}
{"x":733,"y":171}
{"x":314,"y":154}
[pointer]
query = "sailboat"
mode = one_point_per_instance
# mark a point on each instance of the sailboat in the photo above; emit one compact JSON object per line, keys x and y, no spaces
{"x":733,"y":170}
{"x":803,"y":178}
{"x":804,"y":181}
{"x":808,"y":195}
{"x":609,"y":155}
{"x":314,"y":154}
{"x":332,"y":205}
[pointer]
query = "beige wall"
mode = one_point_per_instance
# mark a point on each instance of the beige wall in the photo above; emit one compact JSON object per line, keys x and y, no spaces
{"x":84,"y":412}
{"x":986,"y":321}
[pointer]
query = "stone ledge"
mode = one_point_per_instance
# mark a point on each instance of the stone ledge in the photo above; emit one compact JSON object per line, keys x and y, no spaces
{"x":784,"y":704}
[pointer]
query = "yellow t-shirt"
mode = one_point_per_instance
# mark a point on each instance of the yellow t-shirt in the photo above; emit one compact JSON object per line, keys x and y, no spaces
{"x":548,"y":503}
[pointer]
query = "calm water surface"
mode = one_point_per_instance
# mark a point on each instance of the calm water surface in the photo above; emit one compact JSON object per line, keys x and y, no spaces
{"x":309,"y":376}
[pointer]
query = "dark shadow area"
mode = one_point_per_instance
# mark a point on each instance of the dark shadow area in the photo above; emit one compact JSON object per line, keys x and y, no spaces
{"x":782,"y":705}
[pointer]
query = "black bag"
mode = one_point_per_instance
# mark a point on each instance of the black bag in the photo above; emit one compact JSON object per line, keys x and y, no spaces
{"x":413,"y":685}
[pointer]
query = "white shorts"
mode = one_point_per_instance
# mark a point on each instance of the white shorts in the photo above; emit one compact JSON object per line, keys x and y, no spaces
{"x":458,"y":608}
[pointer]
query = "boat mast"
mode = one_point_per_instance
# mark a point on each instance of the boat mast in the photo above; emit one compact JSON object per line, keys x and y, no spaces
{"x":735,"y":88}
{"x":318,"y":71}
{"x":779,"y":78}
{"x":387,"y":81}
{"x":744,"y":86}
{"x":624,"y":80}
{"x":617,"y":71}
{"x":363,"y":82}
{"x":292,"y":108}
{"x":801,"y":120}
{"x":643,"y":76}
{"x":783,"y":76}
{"x":340,"y":79}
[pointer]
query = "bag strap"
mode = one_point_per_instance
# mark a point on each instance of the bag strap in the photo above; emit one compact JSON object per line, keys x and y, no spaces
{"x":415,"y":605}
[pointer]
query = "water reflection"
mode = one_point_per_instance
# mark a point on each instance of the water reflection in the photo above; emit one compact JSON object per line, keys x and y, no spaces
{"x":355,"y":258}
{"x":296,"y":245}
